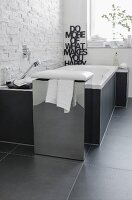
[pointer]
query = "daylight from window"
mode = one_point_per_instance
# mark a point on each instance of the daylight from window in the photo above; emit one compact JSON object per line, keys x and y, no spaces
{"x":110,"y":19}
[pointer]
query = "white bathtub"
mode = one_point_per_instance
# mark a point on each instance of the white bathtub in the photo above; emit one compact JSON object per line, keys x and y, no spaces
{"x":102,"y":74}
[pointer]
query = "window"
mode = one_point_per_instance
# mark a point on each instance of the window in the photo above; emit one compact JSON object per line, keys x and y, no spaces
{"x":100,"y":26}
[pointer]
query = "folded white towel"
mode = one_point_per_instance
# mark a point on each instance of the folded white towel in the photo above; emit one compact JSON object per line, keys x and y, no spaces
{"x":61,"y":93}
{"x":74,"y":100}
{"x":51,"y":96}
{"x":123,"y":66}
{"x":21,"y":82}
{"x":65,"y":94}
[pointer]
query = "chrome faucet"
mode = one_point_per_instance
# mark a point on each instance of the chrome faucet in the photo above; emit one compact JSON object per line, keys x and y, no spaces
{"x":35,"y":64}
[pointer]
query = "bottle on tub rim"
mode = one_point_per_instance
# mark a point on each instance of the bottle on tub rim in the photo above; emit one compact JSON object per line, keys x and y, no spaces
{"x":115,"y":60}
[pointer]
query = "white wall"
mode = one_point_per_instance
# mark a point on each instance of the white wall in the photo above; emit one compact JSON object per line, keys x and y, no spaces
{"x":104,"y":56}
{"x":36,"y":23}
{"x":75,"y":13}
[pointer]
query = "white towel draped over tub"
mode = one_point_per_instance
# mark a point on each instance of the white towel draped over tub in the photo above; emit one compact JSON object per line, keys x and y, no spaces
{"x":61,"y":86}
{"x":61,"y":93}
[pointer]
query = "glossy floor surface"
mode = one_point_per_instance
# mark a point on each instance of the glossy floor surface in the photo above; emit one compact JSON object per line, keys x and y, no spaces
{"x":105,"y":174}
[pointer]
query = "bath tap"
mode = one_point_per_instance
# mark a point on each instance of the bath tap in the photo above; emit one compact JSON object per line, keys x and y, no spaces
{"x":35,"y":64}
{"x":23,"y":85}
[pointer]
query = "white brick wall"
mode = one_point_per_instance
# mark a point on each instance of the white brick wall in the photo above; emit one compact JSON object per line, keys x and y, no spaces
{"x":36,"y":23}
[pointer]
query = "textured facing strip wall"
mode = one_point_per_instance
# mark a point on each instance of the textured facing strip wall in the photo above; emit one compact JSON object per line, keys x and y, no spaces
{"x":35,"y":23}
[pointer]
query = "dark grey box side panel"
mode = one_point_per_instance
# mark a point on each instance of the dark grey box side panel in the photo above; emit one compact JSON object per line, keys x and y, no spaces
{"x":107,"y":105}
{"x":99,"y":105}
{"x":92,"y":116}
{"x":16,"y":116}
{"x":59,"y":134}
{"x":121,"y":89}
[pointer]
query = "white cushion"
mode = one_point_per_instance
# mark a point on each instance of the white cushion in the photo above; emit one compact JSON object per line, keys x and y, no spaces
{"x":63,"y":75}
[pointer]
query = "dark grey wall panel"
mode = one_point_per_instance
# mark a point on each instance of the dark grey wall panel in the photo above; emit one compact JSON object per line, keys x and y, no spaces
{"x":59,"y":134}
{"x":121,"y":88}
{"x":107,"y":105}
{"x":16,"y":116}
{"x":92,"y":116}
{"x":99,"y":105}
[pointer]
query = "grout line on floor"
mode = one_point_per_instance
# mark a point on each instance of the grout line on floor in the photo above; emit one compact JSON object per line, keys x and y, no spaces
{"x":89,"y":150}
{"x":8,"y":153}
{"x":75,"y":181}
{"x":108,"y":167}
{"x":77,"y":176}
{"x":13,"y":149}
{"x":4,"y":157}
{"x":107,"y":126}
{"x":120,"y":136}
{"x":24,"y":155}
{"x":17,"y":143}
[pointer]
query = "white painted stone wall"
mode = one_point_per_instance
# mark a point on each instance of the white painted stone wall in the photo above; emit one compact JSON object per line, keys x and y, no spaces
{"x":35,"y":23}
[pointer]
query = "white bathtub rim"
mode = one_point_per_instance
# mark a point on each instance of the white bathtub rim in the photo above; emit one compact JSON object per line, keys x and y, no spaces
{"x":89,"y":84}
{"x":106,"y":78}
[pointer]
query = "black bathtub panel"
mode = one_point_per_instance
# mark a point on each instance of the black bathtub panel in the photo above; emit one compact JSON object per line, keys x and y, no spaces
{"x":121,"y":89}
{"x":16,"y":116}
{"x":99,"y":105}
{"x":107,"y":105}
{"x":92,"y":116}
{"x":88,"y":115}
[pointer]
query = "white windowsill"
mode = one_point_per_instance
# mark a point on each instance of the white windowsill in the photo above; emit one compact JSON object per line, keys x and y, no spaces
{"x":109,"y":47}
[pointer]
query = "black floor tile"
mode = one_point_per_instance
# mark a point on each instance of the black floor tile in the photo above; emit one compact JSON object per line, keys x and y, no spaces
{"x":130,"y":101}
{"x":120,"y":126}
{"x":122,"y":118}
{"x":95,"y":183}
{"x":122,"y":111}
{"x":115,"y":152}
{"x":36,"y":178}
{"x":2,"y":155}
{"x":87,"y":148}
{"x":6,"y":147}
{"x":24,"y":150}
{"x":121,"y":122}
